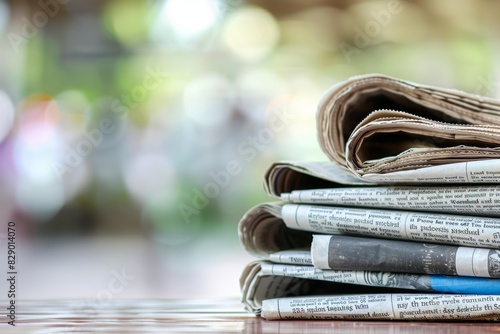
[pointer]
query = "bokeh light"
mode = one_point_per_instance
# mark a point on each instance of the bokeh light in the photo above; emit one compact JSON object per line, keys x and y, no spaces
{"x":209,"y":100}
{"x":148,"y":174}
{"x":4,"y":15}
{"x":189,"y":18}
{"x":257,"y":87}
{"x":127,"y":20}
{"x":251,"y":33}
{"x":6,"y":115}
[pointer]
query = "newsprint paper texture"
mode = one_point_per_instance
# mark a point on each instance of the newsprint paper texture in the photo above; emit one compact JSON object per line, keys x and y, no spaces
{"x":418,"y":282}
{"x":474,"y":231}
{"x":385,"y":307}
{"x":481,"y":200}
{"x":377,"y":125}
{"x":357,"y":253}
{"x":262,"y":280}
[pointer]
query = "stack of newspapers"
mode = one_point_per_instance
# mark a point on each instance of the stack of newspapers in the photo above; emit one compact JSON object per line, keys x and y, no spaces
{"x":402,"y":222}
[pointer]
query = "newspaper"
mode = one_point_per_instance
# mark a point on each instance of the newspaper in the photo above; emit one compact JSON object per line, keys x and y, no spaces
{"x":262,"y":282}
{"x":272,"y":227}
{"x":375,"y":124}
{"x":475,"y":231}
{"x":293,"y":256}
{"x":286,"y":176}
{"x":429,"y":307}
{"x":257,"y":286}
{"x":417,"y":282}
{"x":437,"y":233}
{"x":468,"y":200}
{"x":384,"y":130}
{"x":358,"y":253}
{"x":262,"y":232}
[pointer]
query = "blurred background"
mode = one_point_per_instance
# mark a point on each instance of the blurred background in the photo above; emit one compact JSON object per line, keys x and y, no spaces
{"x":135,"y":134}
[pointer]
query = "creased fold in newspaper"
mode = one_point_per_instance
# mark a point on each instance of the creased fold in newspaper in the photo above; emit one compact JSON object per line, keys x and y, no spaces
{"x":279,"y":291}
{"x":381,"y":130}
{"x":378,"y":124}
{"x":272,"y":227}
{"x":257,"y":285}
{"x":262,"y":232}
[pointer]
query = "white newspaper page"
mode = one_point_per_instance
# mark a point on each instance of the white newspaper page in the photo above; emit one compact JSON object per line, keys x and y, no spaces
{"x":484,"y":171}
{"x":417,"y":226}
{"x":292,"y":256}
{"x":430,"y":307}
{"x":472,"y":199}
{"x":286,"y":175}
{"x":325,"y":170}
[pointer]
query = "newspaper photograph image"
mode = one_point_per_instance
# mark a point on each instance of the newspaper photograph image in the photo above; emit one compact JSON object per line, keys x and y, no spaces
{"x":361,"y":253}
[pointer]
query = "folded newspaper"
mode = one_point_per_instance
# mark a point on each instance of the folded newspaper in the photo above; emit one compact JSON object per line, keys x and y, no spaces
{"x":265,"y":285}
{"x":375,"y":124}
{"x":277,"y":226}
{"x":403,"y":222}
{"x":379,"y":129}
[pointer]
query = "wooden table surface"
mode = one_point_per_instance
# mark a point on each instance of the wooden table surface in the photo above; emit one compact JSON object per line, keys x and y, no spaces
{"x":195,"y":316}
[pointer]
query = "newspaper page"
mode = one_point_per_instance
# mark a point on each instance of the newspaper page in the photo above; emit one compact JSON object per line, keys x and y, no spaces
{"x":472,"y":231}
{"x":404,"y":125}
{"x":356,"y":253}
{"x":262,"y":232}
{"x":286,"y":176}
{"x":483,"y":171}
{"x":428,"y":307}
{"x":418,"y":282}
{"x":391,"y":140}
{"x":470,"y":200}
{"x":292,"y":256}
{"x":256,"y":287}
